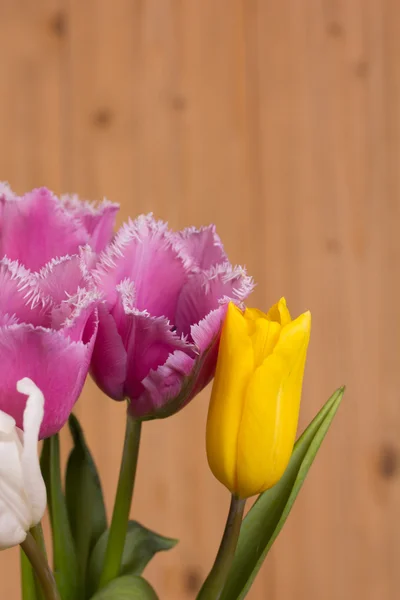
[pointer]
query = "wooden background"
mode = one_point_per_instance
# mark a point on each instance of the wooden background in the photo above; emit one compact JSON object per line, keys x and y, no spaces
{"x":280,"y":122}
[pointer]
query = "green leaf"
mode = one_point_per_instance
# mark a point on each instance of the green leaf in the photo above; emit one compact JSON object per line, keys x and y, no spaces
{"x":84,"y":497}
{"x":65,"y":562}
{"x":128,"y":587}
{"x":141,"y":545}
{"x":266,"y":518}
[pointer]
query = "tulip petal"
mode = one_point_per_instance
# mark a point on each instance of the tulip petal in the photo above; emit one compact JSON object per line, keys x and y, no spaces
{"x":14,"y":513}
{"x":7,"y":423}
{"x":204,"y":291}
{"x":6,"y":192}
{"x":145,"y":252}
{"x":173,"y":384}
{"x":109,"y":359}
{"x":204,"y":246}
{"x":61,"y":278}
{"x":35,"y":228}
{"x":270,"y":412}
{"x":81,"y":319}
{"x":208,"y":329}
{"x":124,"y":305}
{"x":57,"y":364}
{"x":98,"y":220}
{"x":16,"y":285}
{"x":148,"y":341}
{"x":162,"y":386}
{"x":34,"y":486}
{"x":234,"y":368}
{"x":279,"y":312}
{"x":264,"y":335}
{"x":206,"y":335}
{"x":11,"y":531}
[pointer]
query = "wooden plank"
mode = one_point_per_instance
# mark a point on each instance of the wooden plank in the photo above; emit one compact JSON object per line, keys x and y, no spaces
{"x":280,"y":122}
{"x":31,"y":47}
{"x":30,"y":90}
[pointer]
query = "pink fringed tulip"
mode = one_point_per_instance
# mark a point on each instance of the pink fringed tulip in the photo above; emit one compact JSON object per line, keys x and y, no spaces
{"x":46,"y":335}
{"x":165,"y":296}
{"x":37,"y":227}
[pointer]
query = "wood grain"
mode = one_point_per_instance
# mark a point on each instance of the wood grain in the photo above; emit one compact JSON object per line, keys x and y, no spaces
{"x":280,"y":122}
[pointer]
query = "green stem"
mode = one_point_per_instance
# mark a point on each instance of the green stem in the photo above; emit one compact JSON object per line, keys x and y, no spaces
{"x":41,"y":568}
{"x":28,"y":580}
{"x":123,"y":500}
{"x":214,"y":584}
{"x":31,"y":588}
{"x":37,"y":533}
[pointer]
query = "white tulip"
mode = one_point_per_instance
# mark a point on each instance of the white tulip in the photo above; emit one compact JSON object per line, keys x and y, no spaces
{"x":22,"y":489}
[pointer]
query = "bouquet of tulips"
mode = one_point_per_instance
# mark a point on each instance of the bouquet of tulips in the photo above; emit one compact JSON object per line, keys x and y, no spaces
{"x":154,"y":316}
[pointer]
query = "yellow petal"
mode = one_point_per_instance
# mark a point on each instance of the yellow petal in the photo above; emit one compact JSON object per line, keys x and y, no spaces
{"x":279,"y":312}
{"x":293,"y":337}
{"x":270,"y":413}
{"x":251,"y":315}
{"x":234,"y":368}
{"x":264,"y":338}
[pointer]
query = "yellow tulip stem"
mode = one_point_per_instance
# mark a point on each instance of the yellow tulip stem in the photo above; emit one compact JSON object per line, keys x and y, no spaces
{"x":214,"y":584}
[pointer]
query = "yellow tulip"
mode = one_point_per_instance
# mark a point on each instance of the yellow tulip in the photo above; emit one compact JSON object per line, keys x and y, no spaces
{"x":255,"y":400}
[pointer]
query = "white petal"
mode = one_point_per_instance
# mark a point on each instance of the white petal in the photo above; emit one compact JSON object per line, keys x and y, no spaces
{"x":11,"y":531}
{"x":12,"y":492}
{"x":7,"y":423}
{"x":35,"y":489}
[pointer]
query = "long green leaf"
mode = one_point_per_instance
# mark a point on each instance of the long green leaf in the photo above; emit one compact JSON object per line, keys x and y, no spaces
{"x":65,"y":562}
{"x":84,"y":497}
{"x":268,"y":515}
{"x":128,"y":587}
{"x":141,"y":545}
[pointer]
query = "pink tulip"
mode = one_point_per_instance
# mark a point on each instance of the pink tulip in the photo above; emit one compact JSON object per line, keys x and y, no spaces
{"x":165,"y":296}
{"x":46,"y":335}
{"x":38,"y":226}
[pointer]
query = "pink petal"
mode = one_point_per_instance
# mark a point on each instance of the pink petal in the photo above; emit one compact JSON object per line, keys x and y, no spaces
{"x":163,"y":386}
{"x":6,"y":191}
{"x":35,"y":228}
{"x":208,"y":329}
{"x":207,"y":290}
{"x":109,"y":360}
{"x":124,"y":304}
{"x":15,"y":285}
{"x":206,"y":335}
{"x":148,"y":342}
{"x":57,"y":366}
{"x":145,"y":252}
{"x":98,"y":220}
{"x":81,"y":312}
{"x":62,"y":277}
{"x":204,"y":246}
{"x":172,"y":385}
{"x":129,"y":344}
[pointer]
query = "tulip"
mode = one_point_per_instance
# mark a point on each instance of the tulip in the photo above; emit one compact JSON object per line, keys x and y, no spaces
{"x":255,"y":398}
{"x":165,"y":297}
{"x":47,"y":335}
{"x":37,"y":227}
{"x":22,"y":489}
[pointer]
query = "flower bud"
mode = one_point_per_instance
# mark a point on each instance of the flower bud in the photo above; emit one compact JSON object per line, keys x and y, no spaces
{"x":22,"y":489}
{"x":255,"y":399}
